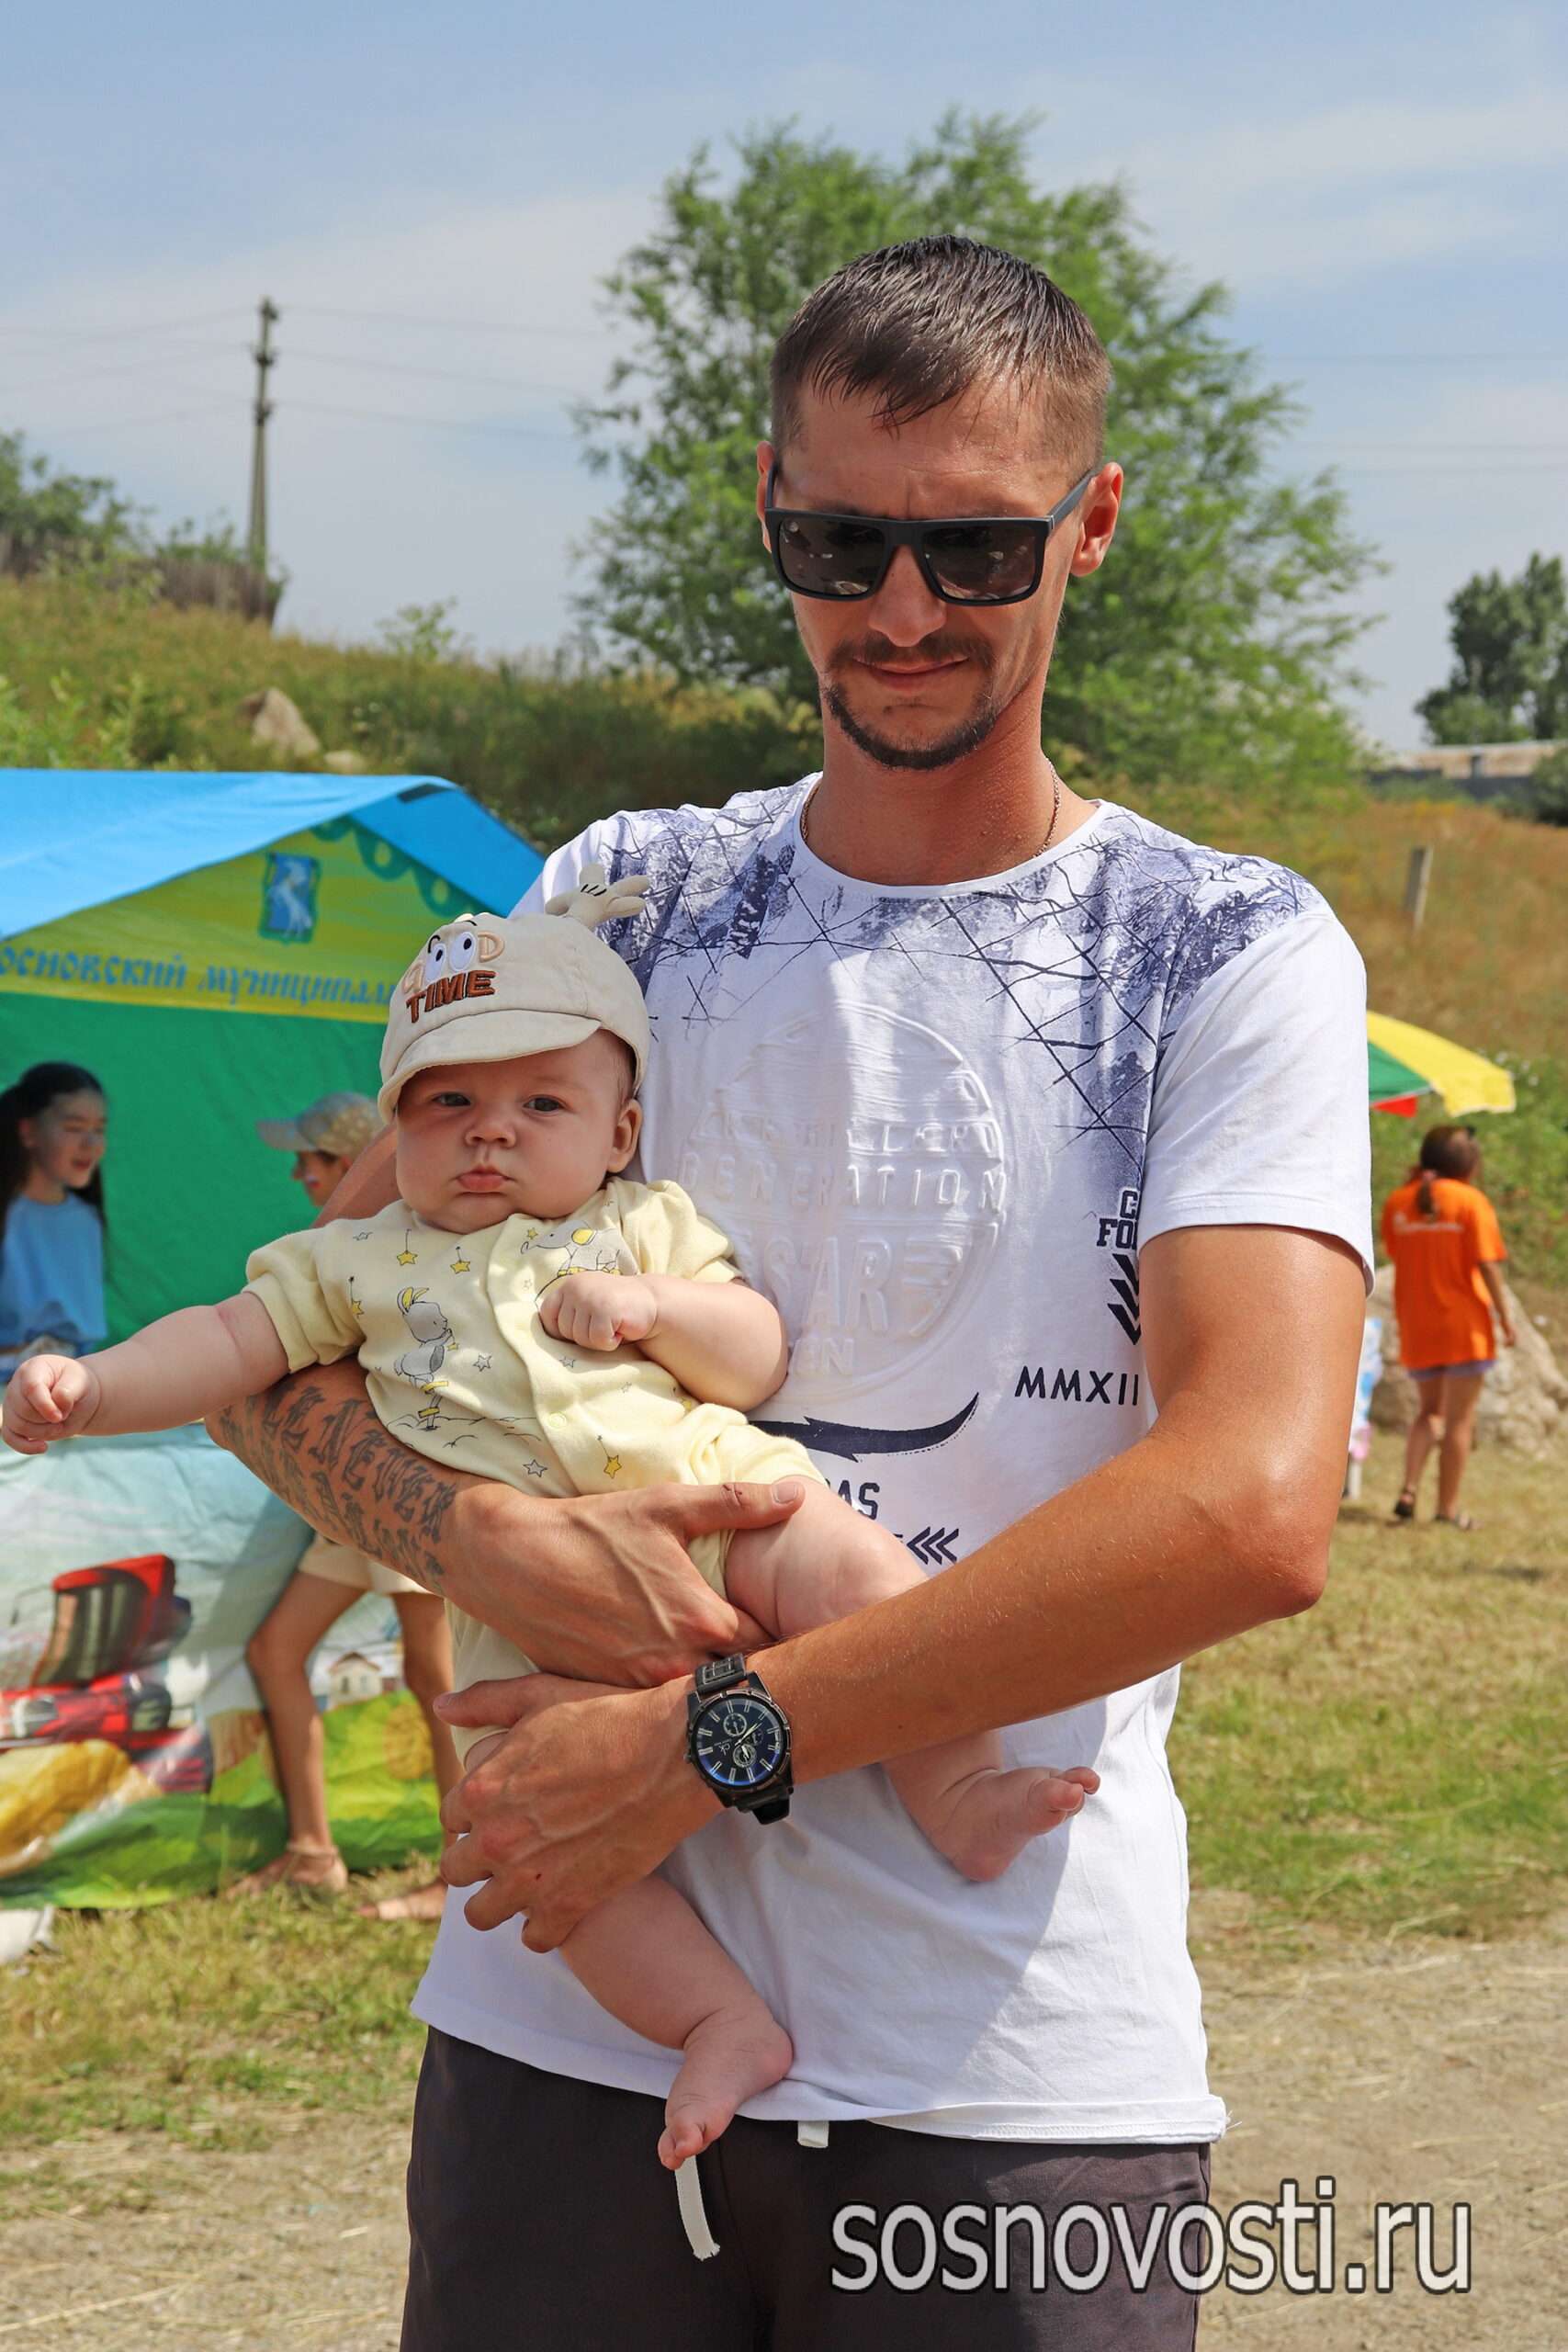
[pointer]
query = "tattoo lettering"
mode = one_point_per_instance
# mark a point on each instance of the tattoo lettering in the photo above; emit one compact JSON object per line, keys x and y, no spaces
{"x":338,"y":1467}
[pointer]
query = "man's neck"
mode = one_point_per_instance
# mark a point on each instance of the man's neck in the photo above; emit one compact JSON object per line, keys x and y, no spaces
{"x":984,"y":814}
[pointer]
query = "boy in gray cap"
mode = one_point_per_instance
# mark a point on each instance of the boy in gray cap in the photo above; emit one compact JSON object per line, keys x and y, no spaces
{"x":326,"y":1139}
{"x":530,"y":1314}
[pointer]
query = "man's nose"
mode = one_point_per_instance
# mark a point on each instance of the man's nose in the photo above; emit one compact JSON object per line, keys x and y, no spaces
{"x":904,"y":609}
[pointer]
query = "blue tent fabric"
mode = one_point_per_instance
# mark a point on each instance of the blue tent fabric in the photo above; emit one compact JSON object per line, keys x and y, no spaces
{"x":71,"y":838}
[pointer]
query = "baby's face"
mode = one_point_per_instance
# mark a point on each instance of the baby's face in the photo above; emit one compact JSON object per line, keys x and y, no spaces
{"x":479,"y":1142}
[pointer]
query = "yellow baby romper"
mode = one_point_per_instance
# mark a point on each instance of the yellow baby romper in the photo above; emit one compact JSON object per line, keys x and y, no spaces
{"x":459,"y":1366}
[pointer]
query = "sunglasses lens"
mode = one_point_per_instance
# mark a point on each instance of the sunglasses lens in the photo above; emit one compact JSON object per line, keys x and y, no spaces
{"x":828,"y":556}
{"x":975,"y":563}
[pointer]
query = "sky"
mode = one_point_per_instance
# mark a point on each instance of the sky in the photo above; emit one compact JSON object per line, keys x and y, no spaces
{"x":432,"y":200}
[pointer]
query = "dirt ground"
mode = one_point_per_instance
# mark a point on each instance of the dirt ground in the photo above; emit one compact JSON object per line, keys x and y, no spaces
{"x":1406,"y":2070}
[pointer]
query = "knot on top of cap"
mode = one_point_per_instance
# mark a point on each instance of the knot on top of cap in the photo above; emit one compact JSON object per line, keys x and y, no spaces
{"x":598,"y":900}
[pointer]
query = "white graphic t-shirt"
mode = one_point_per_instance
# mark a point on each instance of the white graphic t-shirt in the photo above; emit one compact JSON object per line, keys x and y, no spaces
{"x":938,"y":1125}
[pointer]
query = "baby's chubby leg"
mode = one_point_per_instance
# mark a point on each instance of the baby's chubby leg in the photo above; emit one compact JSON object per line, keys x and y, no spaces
{"x":647,"y":1959}
{"x":828,"y":1561}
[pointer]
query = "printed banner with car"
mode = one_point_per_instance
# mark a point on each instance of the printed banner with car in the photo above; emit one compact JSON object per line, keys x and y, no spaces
{"x":134,"y":1760}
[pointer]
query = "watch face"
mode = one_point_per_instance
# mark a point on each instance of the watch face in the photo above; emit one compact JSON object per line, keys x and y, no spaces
{"x":738,"y":1742}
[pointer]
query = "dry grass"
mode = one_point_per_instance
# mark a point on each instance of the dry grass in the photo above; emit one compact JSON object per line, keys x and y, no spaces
{"x":1397,"y":1759}
{"x":1395,"y":1763}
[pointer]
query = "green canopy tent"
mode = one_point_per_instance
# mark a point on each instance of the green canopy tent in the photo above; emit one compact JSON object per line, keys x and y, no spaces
{"x":219,"y":949}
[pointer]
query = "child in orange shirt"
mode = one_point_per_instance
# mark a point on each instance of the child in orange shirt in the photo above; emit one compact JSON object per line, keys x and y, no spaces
{"x":1442,"y":1233}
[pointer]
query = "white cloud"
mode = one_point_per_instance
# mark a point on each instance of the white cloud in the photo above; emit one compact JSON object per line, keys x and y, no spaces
{"x":1322,"y":196}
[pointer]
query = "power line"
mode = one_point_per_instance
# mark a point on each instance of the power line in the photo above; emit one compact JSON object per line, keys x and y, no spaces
{"x":444,"y":375}
{"x":161,"y":416}
{"x":104,"y":334}
{"x":443,"y":423}
{"x":455,"y":326}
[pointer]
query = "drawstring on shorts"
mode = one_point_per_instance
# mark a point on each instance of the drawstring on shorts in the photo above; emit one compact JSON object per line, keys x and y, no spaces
{"x":689,"y":2193}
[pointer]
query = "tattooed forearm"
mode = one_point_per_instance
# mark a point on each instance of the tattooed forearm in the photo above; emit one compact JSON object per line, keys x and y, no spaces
{"x":334,"y":1462}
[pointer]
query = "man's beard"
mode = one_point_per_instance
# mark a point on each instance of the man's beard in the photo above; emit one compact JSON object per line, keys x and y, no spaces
{"x":962,"y":739}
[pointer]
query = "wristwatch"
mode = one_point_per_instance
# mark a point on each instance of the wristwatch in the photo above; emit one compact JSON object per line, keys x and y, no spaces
{"x":738,"y":1739}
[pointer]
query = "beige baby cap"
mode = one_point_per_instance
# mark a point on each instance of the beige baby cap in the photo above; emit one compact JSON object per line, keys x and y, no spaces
{"x":486,"y":988}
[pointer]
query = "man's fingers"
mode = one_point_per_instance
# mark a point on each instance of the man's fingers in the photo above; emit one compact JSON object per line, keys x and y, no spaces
{"x":750,"y":1634}
{"x":507,"y":1701}
{"x":704,"y":1511}
{"x":491,"y":1908}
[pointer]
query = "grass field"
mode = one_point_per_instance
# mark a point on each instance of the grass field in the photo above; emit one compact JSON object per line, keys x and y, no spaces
{"x":1395,"y":1763}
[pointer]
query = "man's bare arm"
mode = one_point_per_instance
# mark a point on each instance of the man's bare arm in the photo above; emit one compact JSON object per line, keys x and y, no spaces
{"x":598,"y":1586}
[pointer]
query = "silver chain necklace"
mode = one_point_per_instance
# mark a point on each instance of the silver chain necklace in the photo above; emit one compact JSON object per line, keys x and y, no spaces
{"x":1050,"y":829}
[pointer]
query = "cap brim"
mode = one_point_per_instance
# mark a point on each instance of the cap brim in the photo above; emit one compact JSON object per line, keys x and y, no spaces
{"x":488,"y":1036}
{"x":282,"y":1134}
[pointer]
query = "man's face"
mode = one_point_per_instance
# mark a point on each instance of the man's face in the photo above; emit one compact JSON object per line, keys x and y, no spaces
{"x":479,"y":1142}
{"x":913,"y":681}
{"x":321,"y":1172}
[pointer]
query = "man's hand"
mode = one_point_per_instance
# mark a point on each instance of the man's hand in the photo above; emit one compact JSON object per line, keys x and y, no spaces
{"x":600,"y":1310}
{"x":48,"y":1397}
{"x":587,"y":1794}
{"x":612,"y":1596}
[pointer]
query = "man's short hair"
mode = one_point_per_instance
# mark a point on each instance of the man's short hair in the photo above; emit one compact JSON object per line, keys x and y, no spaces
{"x":919,"y":324}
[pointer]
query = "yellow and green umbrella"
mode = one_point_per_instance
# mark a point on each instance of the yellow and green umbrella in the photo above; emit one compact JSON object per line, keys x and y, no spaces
{"x":1404,"y":1063}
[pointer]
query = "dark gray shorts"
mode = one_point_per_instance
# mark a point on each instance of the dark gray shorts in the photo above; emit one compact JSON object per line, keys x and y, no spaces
{"x":541,"y":2217}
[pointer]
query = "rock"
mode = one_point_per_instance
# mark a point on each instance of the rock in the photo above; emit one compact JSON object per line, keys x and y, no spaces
{"x":345,"y":763}
{"x":1524,"y":1402}
{"x":279,"y":723}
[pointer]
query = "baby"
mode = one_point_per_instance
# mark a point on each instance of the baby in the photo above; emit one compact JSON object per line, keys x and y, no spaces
{"x":525,"y":1311}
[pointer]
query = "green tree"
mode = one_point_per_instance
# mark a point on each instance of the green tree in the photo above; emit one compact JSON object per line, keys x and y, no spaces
{"x":1214,"y":637}
{"x":48,"y":516}
{"x":1509,"y":679}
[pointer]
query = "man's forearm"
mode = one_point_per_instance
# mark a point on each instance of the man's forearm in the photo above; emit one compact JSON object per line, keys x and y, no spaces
{"x":316,"y":1441}
{"x":1119,"y":1578}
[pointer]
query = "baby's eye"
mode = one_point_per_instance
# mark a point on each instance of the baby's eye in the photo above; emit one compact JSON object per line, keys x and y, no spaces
{"x":543,"y":1103}
{"x":450,"y":1099}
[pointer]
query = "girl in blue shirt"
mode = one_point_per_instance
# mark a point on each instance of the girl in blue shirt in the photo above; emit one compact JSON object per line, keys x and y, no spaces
{"x":51,"y":1213}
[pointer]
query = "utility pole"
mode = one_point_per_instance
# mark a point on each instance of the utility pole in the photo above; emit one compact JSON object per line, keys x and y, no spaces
{"x":264,"y":358}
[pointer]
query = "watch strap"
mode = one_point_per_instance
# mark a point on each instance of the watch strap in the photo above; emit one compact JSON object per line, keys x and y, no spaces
{"x":716,"y":1674}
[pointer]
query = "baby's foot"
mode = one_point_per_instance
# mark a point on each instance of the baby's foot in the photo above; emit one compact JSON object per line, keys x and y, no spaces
{"x":729,"y":2057}
{"x":990,"y":1816}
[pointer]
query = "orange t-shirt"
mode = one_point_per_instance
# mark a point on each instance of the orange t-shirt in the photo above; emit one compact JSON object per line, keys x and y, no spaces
{"x":1442,"y":1304}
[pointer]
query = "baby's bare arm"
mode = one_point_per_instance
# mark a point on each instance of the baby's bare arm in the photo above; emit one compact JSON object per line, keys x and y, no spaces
{"x":723,"y":1342}
{"x":187,"y":1365}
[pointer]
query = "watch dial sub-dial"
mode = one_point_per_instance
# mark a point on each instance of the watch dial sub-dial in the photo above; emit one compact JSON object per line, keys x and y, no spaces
{"x":739,"y":1744}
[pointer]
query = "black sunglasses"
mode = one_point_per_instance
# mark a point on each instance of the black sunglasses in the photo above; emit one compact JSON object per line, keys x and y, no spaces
{"x":965,"y":559}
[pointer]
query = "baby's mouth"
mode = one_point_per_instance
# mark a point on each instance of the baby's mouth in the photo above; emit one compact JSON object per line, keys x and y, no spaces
{"x":482,"y":1180}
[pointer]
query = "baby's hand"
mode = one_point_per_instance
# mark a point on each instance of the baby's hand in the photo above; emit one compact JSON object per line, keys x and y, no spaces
{"x":48,"y":1397}
{"x":599,"y":1311}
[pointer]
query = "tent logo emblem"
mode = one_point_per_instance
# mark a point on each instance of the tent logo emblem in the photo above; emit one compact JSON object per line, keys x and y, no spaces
{"x":288,"y":895}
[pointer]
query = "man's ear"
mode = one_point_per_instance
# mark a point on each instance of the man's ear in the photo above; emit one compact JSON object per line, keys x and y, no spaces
{"x":766,"y":454}
{"x":1097,"y":518}
{"x":628,"y":1127}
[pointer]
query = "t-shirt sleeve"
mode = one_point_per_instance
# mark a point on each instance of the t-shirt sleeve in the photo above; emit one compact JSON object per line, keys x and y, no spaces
{"x":667,"y":1234}
{"x":312,"y":1316}
{"x":1260,"y":1112}
{"x":1490,"y":1247}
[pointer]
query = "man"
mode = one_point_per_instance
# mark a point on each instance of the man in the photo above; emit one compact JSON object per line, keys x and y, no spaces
{"x":1031,"y":1118}
{"x":326,"y":1139}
